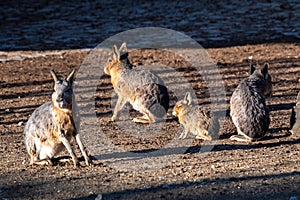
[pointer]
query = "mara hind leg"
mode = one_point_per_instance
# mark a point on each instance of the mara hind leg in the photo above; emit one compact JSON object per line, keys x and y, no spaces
{"x":147,"y":118}
{"x":62,"y":160}
{"x":241,"y":136}
{"x":34,"y":160}
{"x":143,"y":120}
{"x":43,"y":162}
{"x":51,"y":161}
{"x":150,"y":114}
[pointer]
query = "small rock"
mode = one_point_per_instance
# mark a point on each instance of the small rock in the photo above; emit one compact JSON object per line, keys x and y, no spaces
{"x":143,"y":188}
{"x":20,"y":123}
{"x":99,"y":197}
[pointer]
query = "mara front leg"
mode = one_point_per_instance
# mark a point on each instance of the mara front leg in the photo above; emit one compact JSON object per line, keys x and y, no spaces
{"x":203,"y":135}
{"x":83,"y":150}
{"x":183,"y":134}
{"x":67,"y":144}
{"x":120,"y":104}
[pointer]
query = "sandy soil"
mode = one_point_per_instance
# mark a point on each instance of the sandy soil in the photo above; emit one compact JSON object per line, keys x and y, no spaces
{"x":267,"y":169}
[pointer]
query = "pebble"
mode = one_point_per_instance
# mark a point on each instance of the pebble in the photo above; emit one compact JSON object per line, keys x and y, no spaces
{"x":99,"y":197}
{"x":20,"y":123}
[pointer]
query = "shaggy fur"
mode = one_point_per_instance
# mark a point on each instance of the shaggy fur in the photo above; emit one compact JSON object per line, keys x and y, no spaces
{"x":195,"y":119}
{"x":248,"y":108}
{"x":145,"y":91}
{"x":52,"y":125}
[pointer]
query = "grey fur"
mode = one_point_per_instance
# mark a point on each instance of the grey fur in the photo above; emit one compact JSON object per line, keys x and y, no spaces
{"x":145,"y":91}
{"x":248,"y":108}
{"x":51,"y":126}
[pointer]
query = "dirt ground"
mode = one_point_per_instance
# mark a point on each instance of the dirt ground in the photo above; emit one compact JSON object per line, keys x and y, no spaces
{"x":267,"y":169}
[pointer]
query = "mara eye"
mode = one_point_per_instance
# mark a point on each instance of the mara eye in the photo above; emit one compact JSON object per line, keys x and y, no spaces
{"x":109,"y":60}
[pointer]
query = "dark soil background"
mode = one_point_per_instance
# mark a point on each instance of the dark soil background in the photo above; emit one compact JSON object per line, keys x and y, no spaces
{"x":38,"y":36}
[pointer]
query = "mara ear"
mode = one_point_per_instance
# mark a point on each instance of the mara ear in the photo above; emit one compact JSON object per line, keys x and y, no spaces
{"x":54,"y":76}
{"x":252,"y":68}
{"x":123,"y":48}
{"x":188,"y":98}
{"x":123,"y":52}
{"x":70,"y":77}
{"x":265,"y":69}
{"x":116,"y":55}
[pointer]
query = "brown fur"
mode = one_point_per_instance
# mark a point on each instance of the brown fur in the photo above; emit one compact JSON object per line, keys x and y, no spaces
{"x":65,"y":119}
{"x":196,"y":120}
{"x":114,"y":71}
{"x":144,"y":90}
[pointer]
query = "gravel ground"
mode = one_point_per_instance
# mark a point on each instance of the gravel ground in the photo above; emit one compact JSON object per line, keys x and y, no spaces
{"x":37,"y":36}
{"x":267,"y":169}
